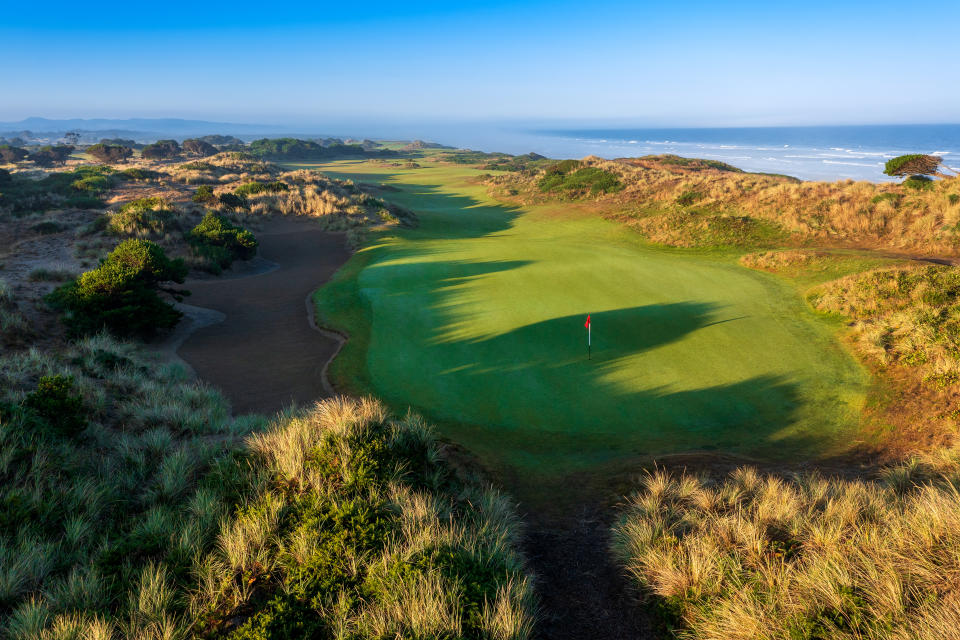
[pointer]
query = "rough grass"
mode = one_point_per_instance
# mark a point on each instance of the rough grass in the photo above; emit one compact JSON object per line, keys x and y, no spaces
{"x":758,"y":557}
{"x":359,"y":529}
{"x":101,"y":515}
{"x":658,"y":189}
{"x":906,"y":315}
{"x":132,"y":505}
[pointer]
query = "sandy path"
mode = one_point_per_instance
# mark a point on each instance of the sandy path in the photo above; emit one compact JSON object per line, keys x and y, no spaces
{"x":266,"y":353}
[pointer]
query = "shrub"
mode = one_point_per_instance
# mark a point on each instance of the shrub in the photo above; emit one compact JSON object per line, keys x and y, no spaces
{"x":253,"y":188}
{"x":198,"y":147}
{"x":571,"y":176}
{"x":918,"y":183}
{"x":92,"y":184}
{"x":232,"y":201}
{"x":161,"y":149}
{"x":110,"y":152}
{"x":11,"y":155}
{"x":362,"y":531}
{"x":688,"y":198}
{"x":51,"y":155}
{"x":912,"y":164}
{"x":142,"y":216}
{"x":58,"y":404}
{"x":136,"y":173}
{"x":221,"y":242}
{"x":953,"y":198}
{"x":5,"y":177}
{"x":204,"y":195}
{"x":122,"y":294}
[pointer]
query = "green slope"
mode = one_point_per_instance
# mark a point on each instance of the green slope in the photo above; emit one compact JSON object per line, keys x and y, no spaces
{"x":476,"y":320}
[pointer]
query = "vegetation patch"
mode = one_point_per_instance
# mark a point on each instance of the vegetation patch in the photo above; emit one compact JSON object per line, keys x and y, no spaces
{"x":220,"y":242}
{"x":357,"y":527}
{"x":908,"y":316}
{"x":79,"y":189}
{"x":114,"y":476}
{"x":759,"y":557}
{"x":122,"y":294}
{"x":143,"y":217}
{"x":574,"y":179}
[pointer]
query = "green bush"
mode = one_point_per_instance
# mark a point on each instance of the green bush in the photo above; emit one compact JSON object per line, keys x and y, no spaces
{"x":122,"y":294}
{"x":161,"y":149}
{"x":221,"y":242}
{"x":94,"y":184}
{"x":204,"y":195}
{"x":232,"y":201}
{"x":918,"y":183}
{"x":574,"y":178}
{"x":142,"y":217}
{"x":78,"y":189}
{"x":688,"y":198}
{"x":912,"y":164}
{"x":5,"y":177}
{"x":135,"y":173}
{"x":253,"y":188}
{"x":58,"y":404}
{"x":105,"y":152}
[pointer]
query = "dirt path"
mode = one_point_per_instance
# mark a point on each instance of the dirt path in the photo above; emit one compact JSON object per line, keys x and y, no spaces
{"x":266,"y":353}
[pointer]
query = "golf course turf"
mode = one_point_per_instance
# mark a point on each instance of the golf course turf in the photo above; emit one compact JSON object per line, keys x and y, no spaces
{"x":475,"y":319}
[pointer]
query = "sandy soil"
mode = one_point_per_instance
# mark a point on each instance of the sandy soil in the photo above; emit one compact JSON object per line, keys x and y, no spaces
{"x":267,"y":354}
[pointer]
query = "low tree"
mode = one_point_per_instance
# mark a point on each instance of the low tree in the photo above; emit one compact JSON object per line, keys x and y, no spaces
{"x":221,"y":242}
{"x":110,"y":152}
{"x":161,"y":149}
{"x":10,"y":154}
{"x":51,"y":155}
{"x":197,"y":147}
{"x":72,"y":138}
{"x":122,"y":294}
{"x":914,"y":164}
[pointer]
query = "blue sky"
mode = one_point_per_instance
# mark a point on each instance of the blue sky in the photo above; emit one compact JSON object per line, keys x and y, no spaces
{"x":640,"y":63}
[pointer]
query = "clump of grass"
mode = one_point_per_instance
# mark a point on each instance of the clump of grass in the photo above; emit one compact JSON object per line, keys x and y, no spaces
{"x":575,"y":179}
{"x":43,"y":274}
{"x":14,"y":328}
{"x":903,"y":315}
{"x":757,"y":556}
{"x":845,"y":213}
{"x":358,"y":528}
{"x":143,"y":217}
{"x":114,"y":474}
{"x":695,"y":228}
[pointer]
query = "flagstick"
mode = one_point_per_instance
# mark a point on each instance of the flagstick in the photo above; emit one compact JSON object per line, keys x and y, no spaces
{"x":589,"y":329}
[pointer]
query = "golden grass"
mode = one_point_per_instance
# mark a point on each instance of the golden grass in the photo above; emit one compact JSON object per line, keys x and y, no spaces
{"x":760,"y":557}
{"x":658,"y":189}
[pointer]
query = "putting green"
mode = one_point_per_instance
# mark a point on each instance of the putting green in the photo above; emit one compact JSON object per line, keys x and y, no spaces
{"x":475,"y":319}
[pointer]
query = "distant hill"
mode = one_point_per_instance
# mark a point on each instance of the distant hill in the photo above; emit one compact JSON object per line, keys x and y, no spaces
{"x":143,"y":125}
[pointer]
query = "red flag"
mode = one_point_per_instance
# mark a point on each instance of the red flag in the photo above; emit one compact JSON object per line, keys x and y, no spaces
{"x":587,"y":323}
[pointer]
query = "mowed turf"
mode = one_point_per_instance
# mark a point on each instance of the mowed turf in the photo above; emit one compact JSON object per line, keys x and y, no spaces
{"x":476,"y":320}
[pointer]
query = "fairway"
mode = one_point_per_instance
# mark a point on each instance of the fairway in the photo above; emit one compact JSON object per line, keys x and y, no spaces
{"x":476,"y":320}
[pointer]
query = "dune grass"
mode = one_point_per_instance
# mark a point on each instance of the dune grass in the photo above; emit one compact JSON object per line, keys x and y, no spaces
{"x":133,"y":506}
{"x":756,"y":557}
{"x":477,"y":317}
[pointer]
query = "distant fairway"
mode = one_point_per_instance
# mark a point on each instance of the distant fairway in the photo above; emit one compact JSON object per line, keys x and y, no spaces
{"x":476,"y":320}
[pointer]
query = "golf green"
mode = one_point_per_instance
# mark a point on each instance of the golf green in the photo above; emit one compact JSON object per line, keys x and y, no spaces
{"x":476,"y":320}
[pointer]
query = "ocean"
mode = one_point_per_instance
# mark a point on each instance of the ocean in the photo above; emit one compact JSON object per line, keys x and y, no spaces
{"x":810,"y":153}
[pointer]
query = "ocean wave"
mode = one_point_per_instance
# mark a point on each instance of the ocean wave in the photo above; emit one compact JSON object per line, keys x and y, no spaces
{"x":852,"y":164}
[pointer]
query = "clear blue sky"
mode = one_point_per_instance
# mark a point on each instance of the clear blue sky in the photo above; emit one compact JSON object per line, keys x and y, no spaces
{"x":667,"y":63}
